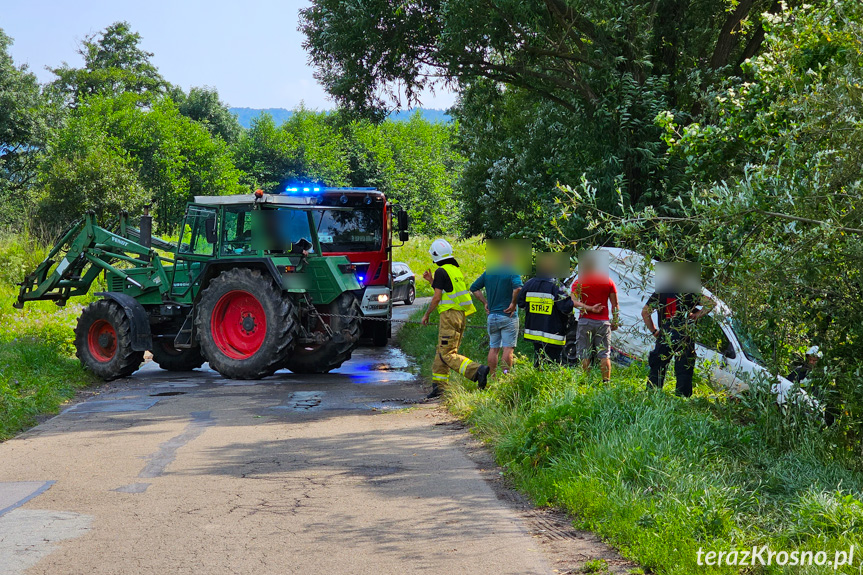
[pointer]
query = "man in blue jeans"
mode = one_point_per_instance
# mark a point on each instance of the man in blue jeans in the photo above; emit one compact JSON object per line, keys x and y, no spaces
{"x":501,"y":285}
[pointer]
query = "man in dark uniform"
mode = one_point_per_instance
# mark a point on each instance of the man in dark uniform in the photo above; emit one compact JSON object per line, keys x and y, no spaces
{"x":547,"y":307}
{"x":677,"y":312}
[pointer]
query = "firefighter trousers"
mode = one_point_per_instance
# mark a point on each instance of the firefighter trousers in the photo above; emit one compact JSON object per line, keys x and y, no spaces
{"x":450,"y":332}
{"x":672,"y":344}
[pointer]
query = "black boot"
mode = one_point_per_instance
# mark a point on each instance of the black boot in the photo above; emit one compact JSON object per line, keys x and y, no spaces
{"x":482,"y":376}
{"x":435,"y":392}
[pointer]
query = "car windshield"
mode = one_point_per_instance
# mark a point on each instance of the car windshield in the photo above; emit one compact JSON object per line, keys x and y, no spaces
{"x":747,"y":343}
{"x":356,"y":230}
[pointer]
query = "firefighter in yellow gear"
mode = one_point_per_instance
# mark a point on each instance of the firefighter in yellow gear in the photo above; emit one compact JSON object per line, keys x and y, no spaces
{"x":452,"y":300}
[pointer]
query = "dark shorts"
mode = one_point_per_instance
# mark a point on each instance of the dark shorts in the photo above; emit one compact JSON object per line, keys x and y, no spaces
{"x":593,"y":334}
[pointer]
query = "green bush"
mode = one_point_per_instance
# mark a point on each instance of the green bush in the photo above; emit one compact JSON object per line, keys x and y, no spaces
{"x":38,"y":368}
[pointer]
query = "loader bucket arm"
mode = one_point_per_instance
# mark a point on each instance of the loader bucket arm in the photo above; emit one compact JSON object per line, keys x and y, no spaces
{"x":84,"y":252}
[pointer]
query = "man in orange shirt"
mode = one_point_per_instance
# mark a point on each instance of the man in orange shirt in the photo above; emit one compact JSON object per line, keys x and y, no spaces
{"x":592,"y":293}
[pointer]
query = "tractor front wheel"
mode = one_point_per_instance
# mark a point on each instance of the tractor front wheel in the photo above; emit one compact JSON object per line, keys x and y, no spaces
{"x":344,"y":318}
{"x":246,"y":326}
{"x":103,"y":341}
{"x":170,"y":358}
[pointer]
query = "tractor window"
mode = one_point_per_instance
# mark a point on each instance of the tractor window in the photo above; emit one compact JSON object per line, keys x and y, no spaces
{"x":199,"y":236}
{"x":237,"y":236}
{"x":709,"y":334}
{"x":286,"y":231}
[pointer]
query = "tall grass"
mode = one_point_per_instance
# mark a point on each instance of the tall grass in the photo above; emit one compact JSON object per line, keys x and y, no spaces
{"x":469,"y":252}
{"x":658,"y":476}
{"x":38,"y":370}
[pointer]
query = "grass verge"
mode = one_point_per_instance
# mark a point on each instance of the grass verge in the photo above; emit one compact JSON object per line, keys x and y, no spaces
{"x":470,"y":254}
{"x":38,"y":368}
{"x":660,"y":477}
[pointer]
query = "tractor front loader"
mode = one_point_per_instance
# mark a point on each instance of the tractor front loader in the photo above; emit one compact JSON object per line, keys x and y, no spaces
{"x":244,"y":288}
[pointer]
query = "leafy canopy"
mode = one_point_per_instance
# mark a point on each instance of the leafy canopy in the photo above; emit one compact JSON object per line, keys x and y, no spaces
{"x":114,"y":63}
{"x":24,"y":113}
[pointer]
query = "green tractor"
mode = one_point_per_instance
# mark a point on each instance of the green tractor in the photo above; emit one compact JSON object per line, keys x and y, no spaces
{"x":245,"y":288}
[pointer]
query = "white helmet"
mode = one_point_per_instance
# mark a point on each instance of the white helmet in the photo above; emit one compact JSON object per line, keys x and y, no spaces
{"x":815,"y":351}
{"x":440,"y":250}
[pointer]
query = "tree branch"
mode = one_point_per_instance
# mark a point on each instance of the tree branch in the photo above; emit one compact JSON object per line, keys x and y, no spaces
{"x":726,"y":41}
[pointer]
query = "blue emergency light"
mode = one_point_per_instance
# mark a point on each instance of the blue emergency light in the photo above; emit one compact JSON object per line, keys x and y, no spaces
{"x":295,"y":190}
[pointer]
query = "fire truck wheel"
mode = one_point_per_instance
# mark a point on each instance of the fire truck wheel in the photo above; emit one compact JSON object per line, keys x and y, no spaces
{"x":103,"y":340}
{"x":170,"y":358}
{"x":379,"y":334}
{"x":246,"y":325}
{"x":345,"y":324}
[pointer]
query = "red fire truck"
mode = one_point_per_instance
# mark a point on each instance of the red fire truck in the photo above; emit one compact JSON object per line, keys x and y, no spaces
{"x":360,"y":226}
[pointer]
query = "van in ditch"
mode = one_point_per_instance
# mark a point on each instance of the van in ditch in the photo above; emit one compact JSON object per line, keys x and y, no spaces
{"x":726,"y":354}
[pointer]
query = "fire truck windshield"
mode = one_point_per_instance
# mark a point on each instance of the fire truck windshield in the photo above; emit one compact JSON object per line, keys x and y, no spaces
{"x":356,"y":230}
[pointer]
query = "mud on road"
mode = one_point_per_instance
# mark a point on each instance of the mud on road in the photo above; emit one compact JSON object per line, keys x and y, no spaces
{"x":339,"y":473}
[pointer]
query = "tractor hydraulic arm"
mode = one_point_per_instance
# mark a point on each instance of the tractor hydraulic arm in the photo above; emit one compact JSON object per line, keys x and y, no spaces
{"x":84,"y":252}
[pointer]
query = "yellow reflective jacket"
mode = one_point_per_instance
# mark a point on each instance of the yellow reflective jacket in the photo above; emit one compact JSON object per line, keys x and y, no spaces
{"x":459,"y":297}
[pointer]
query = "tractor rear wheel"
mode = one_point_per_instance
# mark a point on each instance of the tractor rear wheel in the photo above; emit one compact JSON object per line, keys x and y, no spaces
{"x":345,"y":323}
{"x":246,"y":325}
{"x":170,"y":358}
{"x":103,"y":341}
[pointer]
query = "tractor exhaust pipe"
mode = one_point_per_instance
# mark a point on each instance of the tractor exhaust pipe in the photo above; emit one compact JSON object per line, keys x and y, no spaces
{"x":146,"y":228}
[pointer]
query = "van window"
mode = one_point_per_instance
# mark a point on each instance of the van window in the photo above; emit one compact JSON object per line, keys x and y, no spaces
{"x":750,"y":350}
{"x":708,"y":333}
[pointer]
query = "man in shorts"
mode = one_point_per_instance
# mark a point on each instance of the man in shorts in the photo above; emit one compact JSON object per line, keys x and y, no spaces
{"x":593,"y":292}
{"x":502,"y":286}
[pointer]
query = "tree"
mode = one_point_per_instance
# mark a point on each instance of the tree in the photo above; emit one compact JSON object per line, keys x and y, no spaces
{"x":98,"y":178}
{"x":23,"y":114}
{"x":114,"y":64}
{"x":566,"y":51}
{"x":549,"y":90}
{"x":203,"y":106}
{"x":307,"y":147}
{"x":415,"y":164}
{"x":322,"y":155}
{"x":172,"y":158}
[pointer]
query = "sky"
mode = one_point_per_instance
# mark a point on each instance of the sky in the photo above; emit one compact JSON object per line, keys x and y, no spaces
{"x":250,"y":50}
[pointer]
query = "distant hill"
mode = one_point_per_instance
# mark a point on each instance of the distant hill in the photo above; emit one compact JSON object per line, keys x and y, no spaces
{"x":246,"y":115}
{"x":281,"y":115}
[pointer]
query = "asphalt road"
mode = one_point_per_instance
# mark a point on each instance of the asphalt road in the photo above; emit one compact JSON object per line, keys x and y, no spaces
{"x":191,"y":473}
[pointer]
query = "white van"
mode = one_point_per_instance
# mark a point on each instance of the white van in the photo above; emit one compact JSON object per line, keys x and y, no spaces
{"x":727,"y":356}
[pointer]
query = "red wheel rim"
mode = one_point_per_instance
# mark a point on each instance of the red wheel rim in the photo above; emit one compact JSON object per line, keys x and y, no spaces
{"x":238,"y":325}
{"x":102,"y":341}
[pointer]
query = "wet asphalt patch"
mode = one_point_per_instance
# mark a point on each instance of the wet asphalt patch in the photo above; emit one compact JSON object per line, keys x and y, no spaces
{"x":301,"y":401}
